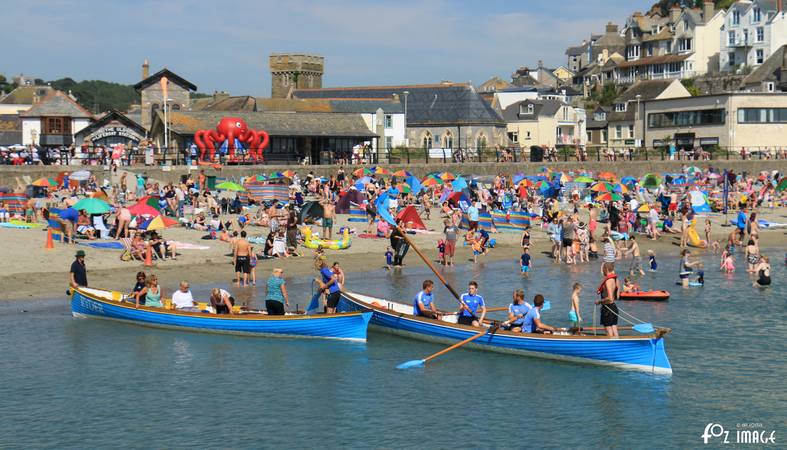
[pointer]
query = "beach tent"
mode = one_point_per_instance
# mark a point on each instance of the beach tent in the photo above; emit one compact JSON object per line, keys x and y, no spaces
{"x":261,"y":192}
{"x":346,"y":199}
{"x":699,"y":202}
{"x":311,"y":212}
{"x":15,"y":203}
{"x":409,"y":218}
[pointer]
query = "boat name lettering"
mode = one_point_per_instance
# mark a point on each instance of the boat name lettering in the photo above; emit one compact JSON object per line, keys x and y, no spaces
{"x":92,"y":306}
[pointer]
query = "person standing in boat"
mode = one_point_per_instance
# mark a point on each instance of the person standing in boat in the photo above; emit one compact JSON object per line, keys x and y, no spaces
{"x":423,"y":303}
{"x":517,"y":312}
{"x":471,"y":302}
{"x":609,"y":290}
{"x":329,"y":285}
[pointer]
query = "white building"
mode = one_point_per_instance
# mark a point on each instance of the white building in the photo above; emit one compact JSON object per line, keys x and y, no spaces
{"x":753,"y":30}
{"x":54,"y":121}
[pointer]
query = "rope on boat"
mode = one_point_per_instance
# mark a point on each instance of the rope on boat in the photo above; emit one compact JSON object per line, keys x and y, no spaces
{"x":629,"y":315}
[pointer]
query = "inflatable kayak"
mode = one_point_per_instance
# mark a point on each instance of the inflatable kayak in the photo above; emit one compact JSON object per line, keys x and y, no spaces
{"x":653,"y":296}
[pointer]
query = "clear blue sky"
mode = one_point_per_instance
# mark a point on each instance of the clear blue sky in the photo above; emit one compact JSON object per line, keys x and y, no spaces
{"x":224,"y":45}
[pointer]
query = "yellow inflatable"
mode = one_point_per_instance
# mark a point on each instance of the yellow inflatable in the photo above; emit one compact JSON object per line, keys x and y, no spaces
{"x":311,"y":241}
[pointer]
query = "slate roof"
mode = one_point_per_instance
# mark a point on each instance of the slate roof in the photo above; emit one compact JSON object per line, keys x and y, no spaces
{"x":547,"y":108}
{"x":772,"y":69}
{"x":577,"y":50}
{"x":323,"y":105}
{"x":110,"y":116}
{"x":57,"y":104}
{"x":24,"y":95}
{"x":647,"y":89}
{"x":427,"y":105}
{"x":274,"y":123}
{"x":171,"y":76}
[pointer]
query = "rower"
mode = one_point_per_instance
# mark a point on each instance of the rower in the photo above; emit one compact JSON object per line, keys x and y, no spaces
{"x":471,"y":301}
{"x":517,"y":312}
{"x":423,"y":303}
{"x":532,"y":321}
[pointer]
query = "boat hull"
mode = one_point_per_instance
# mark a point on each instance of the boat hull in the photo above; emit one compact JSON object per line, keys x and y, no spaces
{"x":644,"y":353}
{"x":352,"y":326}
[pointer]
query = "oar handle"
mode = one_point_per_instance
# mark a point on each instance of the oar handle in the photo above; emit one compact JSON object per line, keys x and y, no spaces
{"x":459,"y":344}
{"x":429,"y":263}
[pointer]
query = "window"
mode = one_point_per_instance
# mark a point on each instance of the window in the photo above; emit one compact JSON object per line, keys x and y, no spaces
{"x":427,"y":140}
{"x":565,"y":113}
{"x":745,"y":36}
{"x":176,"y":107}
{"x":631,"y":131}
{"x":736,"y":17}
{"x":760,"y":56}
{"x":55,"y":125}
{"x":527,"y":136}
{"x":684,"y":45}
{"x":762,"y":115}
{"x":513,"y":137}
{"x":756,"y":15}
{"x":448,"y":140}
{"x":731,"y":38}
{"x":620,"y":107}
{"x":526,"y":109}
{"x":632,"y":52}
{"x":589,"y":136}
{"x":618,"y":132}
{"x":480,"y":142}
{"x":760,"y":34}
{"x":600,"y":116}
{"x":604,"y":135}
{"x":388,"y":143}
{"x":769,"y":87}
{"x":388,"y":121}
{"x":686,"y":118}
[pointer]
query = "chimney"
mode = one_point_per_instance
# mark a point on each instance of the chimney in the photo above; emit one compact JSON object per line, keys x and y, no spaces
{"x":779,"y":7}
{"x":145,"y":69}
{"x":540,"y":64}
{"x":674,"y":13}
{"x":708,"y":9}
{"x":612,"y":28}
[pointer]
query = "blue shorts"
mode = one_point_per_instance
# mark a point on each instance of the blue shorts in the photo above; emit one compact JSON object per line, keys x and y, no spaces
{"x":476,"y":252}
{"x":572,"y":317}
{"x":525,"y":269}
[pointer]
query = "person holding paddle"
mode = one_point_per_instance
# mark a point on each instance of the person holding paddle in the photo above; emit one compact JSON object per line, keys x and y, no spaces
{"x":470,"y":303}
{"x":423,"y":303}
{"x":517,"y":312}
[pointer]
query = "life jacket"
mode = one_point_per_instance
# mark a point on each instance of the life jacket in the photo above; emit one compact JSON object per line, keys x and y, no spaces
{"x":610,"y":276}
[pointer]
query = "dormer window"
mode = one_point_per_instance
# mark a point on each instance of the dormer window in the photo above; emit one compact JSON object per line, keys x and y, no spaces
{"x":620,"y":107}
{"x":600,"y":116}
{"x":756,"y":15}
{"x":736,"y":17}
{"x":526,"y":109}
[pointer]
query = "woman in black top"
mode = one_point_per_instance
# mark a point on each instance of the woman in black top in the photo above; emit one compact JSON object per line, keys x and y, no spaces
{"x":140,"y":284}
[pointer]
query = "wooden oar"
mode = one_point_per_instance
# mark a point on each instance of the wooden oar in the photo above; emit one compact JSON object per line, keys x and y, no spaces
{"x":547,"y":306}
{"x":421,"y":362}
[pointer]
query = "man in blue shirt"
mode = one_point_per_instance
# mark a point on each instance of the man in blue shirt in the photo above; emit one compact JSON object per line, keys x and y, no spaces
{"x":472,"y":217}
{"x":330,"y":287}
{"x":532,"y":321}
{"x":517,"y":312}
{"x":471,"y":302}
{"x":423,"y":303}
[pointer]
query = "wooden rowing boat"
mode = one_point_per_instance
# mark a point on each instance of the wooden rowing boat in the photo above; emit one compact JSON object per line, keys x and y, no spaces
{"x":105,"y":304}
{"x":643,"y":352}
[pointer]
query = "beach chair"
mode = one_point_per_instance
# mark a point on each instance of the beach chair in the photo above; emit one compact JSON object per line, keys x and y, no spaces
{"x":100,"y":227}
{"x":126,"y":254}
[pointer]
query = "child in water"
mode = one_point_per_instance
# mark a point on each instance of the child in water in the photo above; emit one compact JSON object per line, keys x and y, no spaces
{"x":727,"y":262}
{"x":573,"y":315}
{"x":388,"y":258}
{"x":628,"y":286}
{"x":525,"y":262}
{"x":652,"y":261}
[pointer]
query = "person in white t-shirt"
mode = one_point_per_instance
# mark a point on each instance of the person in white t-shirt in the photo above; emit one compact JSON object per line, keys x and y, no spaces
{"x":182,"y":298}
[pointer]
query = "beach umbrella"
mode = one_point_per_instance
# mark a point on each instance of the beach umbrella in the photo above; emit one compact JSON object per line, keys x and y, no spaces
{"x":583,"y":179}
{"x":143,"y":209}
{"x":431,"y":181}
{"x":782,"y":185}
{"x":603,"y":187}
{"x":404,"y":188}
{"x":381,"y":171}
{"x":544,"y":169}
{"x":92,"y":206}
{"x":526,"y":183}
{"x":608,"y":176}
{"x":693,"y":170}
{"x":158,"y":223}
{"x":650,"y":181}
{"x":80,"y":175}
{"x":230,"y":186}
{"x":261,"y":178}
{"x":609,"y":197}
{"x":447,"y":176}
{"x":363,"y":171}
{"x":565,"y":178}
{"x":403,"y":173}
{"x":628,"y":180}
{"x":458,"y":184}
{"x":621,"y":188}
{"x":517,"y":178}
{"x":45,"y":182}
{"x":644,"y":208}
{"x":288,"y":174}
{"x":542,"y":185}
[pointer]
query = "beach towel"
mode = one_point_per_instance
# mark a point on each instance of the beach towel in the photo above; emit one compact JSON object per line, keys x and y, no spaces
{"x":189,"y":246}
{"x":15,"y":224}
{"x":104,"y":245}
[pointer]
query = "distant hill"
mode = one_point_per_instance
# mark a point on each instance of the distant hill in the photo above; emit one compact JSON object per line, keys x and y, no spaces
{"x":97,"y":95}
{"x":664,"y":5}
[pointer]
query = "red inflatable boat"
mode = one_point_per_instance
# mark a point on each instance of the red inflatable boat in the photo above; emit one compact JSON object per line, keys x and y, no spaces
{"x":652,"y":296}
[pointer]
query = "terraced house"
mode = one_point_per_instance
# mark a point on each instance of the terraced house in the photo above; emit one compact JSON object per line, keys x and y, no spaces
{"x":752,"y":32}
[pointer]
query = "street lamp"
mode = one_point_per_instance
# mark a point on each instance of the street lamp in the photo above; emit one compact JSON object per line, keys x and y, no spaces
{"x":636,"y":119}
{"x":406,"y":138}
{"x":166,"y":126}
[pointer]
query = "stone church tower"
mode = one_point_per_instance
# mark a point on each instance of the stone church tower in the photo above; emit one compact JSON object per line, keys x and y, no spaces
{"x":295,"y":71}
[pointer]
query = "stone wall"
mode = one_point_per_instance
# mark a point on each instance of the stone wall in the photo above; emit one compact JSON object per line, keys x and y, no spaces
{"x":9,"y":174}
{"x":153,"y":94}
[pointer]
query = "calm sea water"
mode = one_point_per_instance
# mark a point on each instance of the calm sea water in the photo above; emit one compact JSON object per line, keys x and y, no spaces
{"x":78,"y":383}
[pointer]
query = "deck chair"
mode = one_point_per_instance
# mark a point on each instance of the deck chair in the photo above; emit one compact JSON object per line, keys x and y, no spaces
{"x":98,"y":224}
{"x":126,"y":255}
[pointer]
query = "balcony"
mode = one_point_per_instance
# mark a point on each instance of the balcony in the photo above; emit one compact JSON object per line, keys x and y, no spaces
{"x":740,"y":43}
{"x":666,"y":75}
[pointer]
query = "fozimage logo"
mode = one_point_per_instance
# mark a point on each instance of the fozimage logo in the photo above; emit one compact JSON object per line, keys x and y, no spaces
{"x":745,"y":433}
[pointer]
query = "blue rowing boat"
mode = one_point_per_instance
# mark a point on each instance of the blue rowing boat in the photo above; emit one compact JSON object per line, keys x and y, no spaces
{"x":643,"y":352}
{"x":104,"y":304}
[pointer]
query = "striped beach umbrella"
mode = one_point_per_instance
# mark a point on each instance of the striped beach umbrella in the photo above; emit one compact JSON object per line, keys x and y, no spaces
{"x":381,"y":171}
{"x":431,"y":181}
{"x":402,"y":173}
{"x":447,"y":176}
{"x":362,"y":172}
{"x":609,"y":197}
{"x":603,"y":187}
{"x":158,"y":223}
{"x":288,"y":174}
{"x":92,"y":206}
{"x":45,"y":182}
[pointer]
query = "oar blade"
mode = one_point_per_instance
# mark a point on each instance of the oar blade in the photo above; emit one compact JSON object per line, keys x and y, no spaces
{"x":644,"y":328}
{"x":547,"y":306}
{"x":411,"y":364}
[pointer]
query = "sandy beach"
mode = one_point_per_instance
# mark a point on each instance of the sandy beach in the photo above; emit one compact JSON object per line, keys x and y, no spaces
{"x":31,"y":272}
